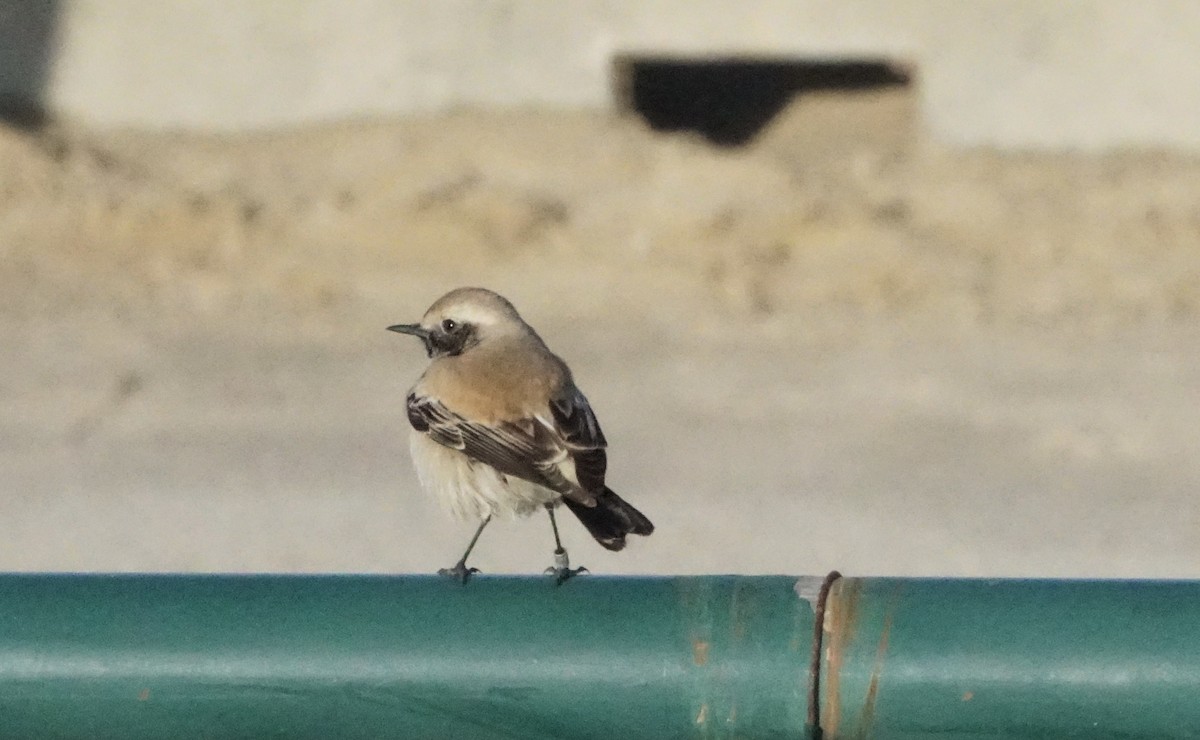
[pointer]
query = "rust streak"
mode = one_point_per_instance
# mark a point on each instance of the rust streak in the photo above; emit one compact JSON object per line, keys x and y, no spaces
{"x":144,"y":695}
{"x":868,"y":710}
{"x":867,"y":715}
{"x":841,"y":617}
{"x":700,"y":651}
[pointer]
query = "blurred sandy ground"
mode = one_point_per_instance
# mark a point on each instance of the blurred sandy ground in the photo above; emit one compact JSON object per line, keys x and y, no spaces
{"x":838,"y":347}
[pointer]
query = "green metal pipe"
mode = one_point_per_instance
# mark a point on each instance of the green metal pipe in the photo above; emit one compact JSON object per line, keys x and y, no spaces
{"x":917,"y":658}
{"x":94,"y":656}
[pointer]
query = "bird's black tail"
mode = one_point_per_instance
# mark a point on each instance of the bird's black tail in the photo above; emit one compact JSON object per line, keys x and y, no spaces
{"x":610,"y":519}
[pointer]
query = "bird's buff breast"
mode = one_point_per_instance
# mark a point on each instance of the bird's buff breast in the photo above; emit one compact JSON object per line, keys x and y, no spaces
{"x":472,"y":490}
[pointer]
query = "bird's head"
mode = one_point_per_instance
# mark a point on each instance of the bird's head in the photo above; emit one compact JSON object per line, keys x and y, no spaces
{"x":461,"y":319}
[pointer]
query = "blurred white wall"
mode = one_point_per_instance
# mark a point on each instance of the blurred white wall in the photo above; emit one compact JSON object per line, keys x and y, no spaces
{"x":1088,"y":74}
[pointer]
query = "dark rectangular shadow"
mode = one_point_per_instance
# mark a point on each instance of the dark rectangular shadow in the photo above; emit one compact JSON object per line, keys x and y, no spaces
{"x":728,"y":101}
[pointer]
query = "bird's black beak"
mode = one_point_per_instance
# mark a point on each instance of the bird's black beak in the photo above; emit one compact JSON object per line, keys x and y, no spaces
{"x":418,"y":331}
{"x":415,"y":329}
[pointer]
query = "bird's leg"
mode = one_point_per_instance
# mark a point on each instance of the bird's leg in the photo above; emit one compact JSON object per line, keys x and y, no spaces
{"x":562,"y":564}
{"x":460,"y":571}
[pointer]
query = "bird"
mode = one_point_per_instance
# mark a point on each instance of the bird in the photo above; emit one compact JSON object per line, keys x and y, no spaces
{"x":499,"y":428}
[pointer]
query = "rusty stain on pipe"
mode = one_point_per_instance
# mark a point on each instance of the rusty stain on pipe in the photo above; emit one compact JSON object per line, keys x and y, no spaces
{"x":867,"y":715}
{"x":843,"y":624}
{"x":841,"y":617}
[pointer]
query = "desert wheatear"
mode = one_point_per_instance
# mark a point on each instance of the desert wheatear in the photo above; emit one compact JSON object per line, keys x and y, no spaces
{"x":499,"y":428}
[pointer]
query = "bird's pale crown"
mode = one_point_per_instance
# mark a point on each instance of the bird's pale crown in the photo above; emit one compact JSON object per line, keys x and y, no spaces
{"x":476,"y":306}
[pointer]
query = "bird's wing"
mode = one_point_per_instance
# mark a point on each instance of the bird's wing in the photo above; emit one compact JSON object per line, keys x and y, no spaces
{"x":576,"y":425}
{"x":524,"y":449}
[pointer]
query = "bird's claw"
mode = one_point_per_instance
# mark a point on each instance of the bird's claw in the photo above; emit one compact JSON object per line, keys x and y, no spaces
{"x":562,"y":570}
{"x":460,"y":572}
{"x":561,"y":575}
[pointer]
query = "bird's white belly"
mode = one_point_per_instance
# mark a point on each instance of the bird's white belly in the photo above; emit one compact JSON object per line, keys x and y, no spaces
{"x":472,"y":490}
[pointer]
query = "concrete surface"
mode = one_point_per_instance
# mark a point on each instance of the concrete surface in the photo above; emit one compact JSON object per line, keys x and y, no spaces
{"x":1086,"y":75}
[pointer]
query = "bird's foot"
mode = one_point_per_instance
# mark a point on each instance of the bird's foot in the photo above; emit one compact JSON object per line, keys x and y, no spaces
{"x":562,"y":570}
{"x":561,"y":575}
{"x":460,"y":572}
